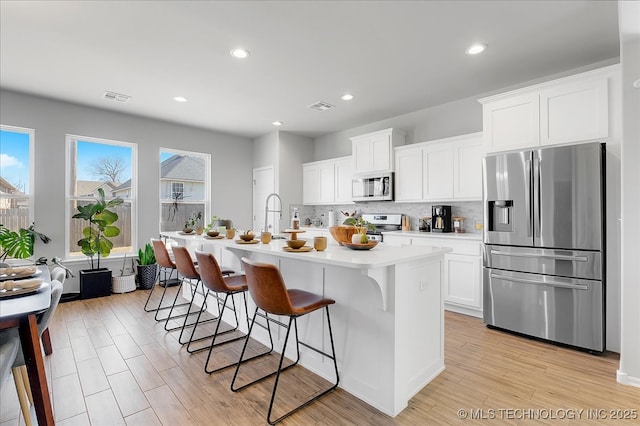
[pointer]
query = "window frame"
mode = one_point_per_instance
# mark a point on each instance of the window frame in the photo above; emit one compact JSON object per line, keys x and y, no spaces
{"x":207,"y":184}
{"x":32,"y":153}
{"x":133,"y":198}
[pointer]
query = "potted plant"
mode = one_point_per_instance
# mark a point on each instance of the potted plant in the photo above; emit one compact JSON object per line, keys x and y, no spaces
{"x":147,"y":267}
{"x":126,"y":281}
{"x":362,"y":226}
{"x":191,"y":223}
{"x":96,"y":282}
{"x":20,"y":244}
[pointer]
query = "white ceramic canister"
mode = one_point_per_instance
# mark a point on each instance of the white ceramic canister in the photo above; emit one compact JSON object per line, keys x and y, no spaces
{"x":332,"y":219}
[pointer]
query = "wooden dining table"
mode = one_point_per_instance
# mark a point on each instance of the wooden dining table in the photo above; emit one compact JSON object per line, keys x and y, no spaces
{"x":21,"y":311}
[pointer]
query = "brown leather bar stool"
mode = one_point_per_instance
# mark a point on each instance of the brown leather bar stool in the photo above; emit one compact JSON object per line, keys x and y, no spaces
{"x":269,"y":292}
{"x":188,"y":272}
{"x":167,"y":267}
{"x":213,"y":279}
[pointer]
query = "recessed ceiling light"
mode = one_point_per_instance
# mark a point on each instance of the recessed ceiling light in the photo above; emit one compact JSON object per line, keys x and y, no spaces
{"x":180,"y":99}
{"x":347,"y":97}
{"x":474,"y":49}
{"x":239,"y":53}
{"x":277,"y":123}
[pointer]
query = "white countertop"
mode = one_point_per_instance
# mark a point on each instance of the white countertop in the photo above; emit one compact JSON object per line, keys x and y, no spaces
{"x":380,"y":256}
{"x":451,"y":235}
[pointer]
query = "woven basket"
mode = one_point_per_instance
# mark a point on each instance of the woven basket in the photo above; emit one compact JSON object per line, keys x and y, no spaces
{"x":123,"y":284}
{"x":147,"y":276}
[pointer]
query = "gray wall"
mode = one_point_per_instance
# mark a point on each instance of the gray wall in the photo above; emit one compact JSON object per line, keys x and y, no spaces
{"x":52,"y":120}
{"x":630,"y":291}
{"x":442,"y":121}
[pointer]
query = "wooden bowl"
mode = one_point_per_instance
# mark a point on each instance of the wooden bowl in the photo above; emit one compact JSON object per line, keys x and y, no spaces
{"x":296,"y":244}
{"x":213,"y":233}
{"x":343,"y":233}
{"x":246,"y":237}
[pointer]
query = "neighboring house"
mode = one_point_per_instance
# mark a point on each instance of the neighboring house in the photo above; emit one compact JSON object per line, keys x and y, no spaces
{"x":181,"y":177}
{"x":89,"y":188}
{"x":8,"y":188}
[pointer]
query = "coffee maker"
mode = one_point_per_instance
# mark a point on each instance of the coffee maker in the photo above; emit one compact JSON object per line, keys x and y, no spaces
{"x":441,"y":219}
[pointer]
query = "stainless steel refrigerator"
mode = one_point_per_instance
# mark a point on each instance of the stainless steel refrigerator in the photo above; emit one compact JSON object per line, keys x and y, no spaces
{"x":544,"y":244}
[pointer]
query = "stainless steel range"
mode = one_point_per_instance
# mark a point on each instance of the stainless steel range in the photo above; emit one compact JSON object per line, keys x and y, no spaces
{"x":382,"y":222}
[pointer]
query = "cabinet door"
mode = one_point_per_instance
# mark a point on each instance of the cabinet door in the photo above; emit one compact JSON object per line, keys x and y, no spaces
{"x":462,"y":280}
{"x":327,"y":183}
{"x":574,"y":112}
{"x":396,"y":240}
{"x":408,"y":177}
{"x":512,"y":123}
{"x":381,"y":152}
{"x":343,"y":175}
{"x":361,"y":152}
{"x":310,"y":183}
{"x":467,"y":169}
{"x":438,"y":172}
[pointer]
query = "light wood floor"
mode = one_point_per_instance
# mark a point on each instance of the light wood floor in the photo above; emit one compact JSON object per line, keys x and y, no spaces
{"x":113,"y":364}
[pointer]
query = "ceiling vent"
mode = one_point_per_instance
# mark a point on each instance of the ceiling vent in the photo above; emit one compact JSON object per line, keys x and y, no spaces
{"x":320,"y":106}
{"x":118,"y":97}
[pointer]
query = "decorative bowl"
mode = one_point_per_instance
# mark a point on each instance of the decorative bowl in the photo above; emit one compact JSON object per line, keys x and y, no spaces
{"x":342,"y":233}
{"x":246,"y":237}
{"x":365,"y":246}
{"x":213,"y":233}
{"x":296,"y":244}
{"x":187,"y":230}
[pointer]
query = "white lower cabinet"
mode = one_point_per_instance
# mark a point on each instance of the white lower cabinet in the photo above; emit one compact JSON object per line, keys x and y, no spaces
{"x":462,"y":270}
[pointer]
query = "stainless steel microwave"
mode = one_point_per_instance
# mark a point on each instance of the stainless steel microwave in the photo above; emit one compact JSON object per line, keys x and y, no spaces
{"x":375,"y":186}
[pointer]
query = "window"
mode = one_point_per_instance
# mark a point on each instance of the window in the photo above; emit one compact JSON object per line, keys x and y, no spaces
{"x":110,"y":165}
{"x":184,"y":187}
{"x":16,"y":177}
{"x":177,"y":190}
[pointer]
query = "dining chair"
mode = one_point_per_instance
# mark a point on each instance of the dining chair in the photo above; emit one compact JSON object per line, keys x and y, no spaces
{"x":8,"y":351}
{"x":19,"y":369}
{"x":270,"y":294}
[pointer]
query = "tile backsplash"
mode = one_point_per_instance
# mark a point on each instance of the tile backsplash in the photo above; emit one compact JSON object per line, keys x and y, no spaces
{"x":470,"y":210}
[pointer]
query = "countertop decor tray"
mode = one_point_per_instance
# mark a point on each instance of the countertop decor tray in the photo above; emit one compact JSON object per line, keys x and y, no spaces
{"x":247,"y":242}
{"x":300,"y":250}
{"x":367,"y":246}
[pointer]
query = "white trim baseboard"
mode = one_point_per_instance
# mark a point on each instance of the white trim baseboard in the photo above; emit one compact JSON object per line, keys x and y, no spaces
{"x":625,"y":379}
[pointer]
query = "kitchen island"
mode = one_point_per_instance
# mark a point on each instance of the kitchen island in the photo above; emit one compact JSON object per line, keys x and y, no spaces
{"x":388,"y":320}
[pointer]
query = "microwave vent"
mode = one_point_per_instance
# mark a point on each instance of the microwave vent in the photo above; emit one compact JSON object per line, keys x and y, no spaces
{"x":320,"y":106}
{"x":118,"y":97}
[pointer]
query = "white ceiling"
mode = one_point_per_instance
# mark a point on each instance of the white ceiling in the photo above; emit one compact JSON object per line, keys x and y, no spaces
{"x":394,"y":56}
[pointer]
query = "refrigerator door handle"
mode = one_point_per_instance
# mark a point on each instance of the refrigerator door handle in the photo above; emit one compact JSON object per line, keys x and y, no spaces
{"x":537,"y":168}
{"x":536,"y":282}
{"x":527,"y":196}
{"x":538,"y":256}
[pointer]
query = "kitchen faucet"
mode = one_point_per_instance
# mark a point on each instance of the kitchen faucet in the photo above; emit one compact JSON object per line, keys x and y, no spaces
{"x":267,"y":211}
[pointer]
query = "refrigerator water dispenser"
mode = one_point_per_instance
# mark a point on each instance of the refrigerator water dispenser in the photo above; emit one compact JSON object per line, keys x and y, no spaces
{"x":501,"y":215}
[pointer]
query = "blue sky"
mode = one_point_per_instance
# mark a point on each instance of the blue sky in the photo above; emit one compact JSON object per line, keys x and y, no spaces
{"x":14,"y":158}
{"x":90,"y":152}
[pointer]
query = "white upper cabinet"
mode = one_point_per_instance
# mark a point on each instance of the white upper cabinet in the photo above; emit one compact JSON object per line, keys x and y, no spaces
{"x":574,"y":112}
{"x":343,"y":176}
{"x":374,"y":151}
{"x":408,"y":177}
{"x":512,"y":123}
{"x":327,"y":181}
{"x":568,"y":110}
{"x":437,"y":173}
{"x":467,"y":167}
{"x":443,"y":170}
